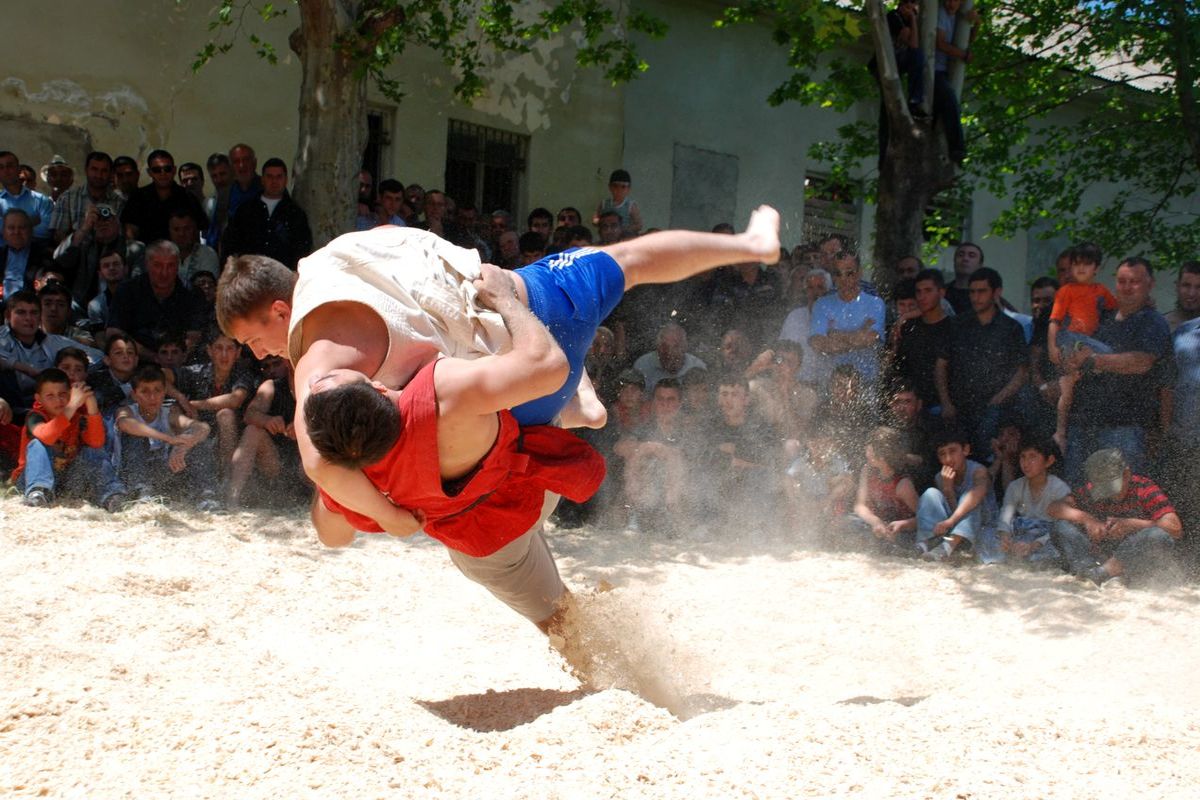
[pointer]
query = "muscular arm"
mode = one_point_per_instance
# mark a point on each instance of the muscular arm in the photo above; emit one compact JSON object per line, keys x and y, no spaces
{"x":344,"y":336}
{"x":533,"y":368}
{"x":332,"y":528}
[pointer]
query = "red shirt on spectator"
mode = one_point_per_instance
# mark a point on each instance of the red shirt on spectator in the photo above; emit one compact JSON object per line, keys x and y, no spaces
{"x":1142,"y":500}
{"x":63,"y":436}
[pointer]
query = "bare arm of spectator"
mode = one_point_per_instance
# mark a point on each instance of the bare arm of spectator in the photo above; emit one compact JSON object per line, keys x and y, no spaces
{"x":941,"y":380}
{"x":130,"y":424}
{"x":1066,"y":509}
{"x":761,"y":363}
{"x":256,"y":414}
{"x":862,"y":506}
{"x":189,"y":433}
{"x":1166,"y":407}
{"x":1120,"y":527}
{"x":949,"y":49}
{"x":1010,"y":388}
{"x":172,"y":391}
{"x":233,"y":399}
{"x":635,"y":218}
{"x":969,"y":500}
{"x":1045,"y":385}
{"x":836,"y":342}
{"x":1135,"y":362}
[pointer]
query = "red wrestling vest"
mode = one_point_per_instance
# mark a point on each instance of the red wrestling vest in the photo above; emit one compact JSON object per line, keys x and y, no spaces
{"x":496,"y":503}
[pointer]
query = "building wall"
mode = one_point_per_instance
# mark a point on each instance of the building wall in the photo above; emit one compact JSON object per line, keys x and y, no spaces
{"x":121,"y":81}
{"x":116,"y":75}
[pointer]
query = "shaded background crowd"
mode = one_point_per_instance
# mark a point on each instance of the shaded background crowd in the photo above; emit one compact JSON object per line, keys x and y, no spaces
{"x":929,"y":419}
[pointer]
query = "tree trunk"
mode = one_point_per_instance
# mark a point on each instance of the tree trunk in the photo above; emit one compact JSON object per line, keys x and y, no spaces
{"x":957,"y":69}
{"x":914,"y":169}
{"x":333,"y":124}
{"x":1185,"y":76}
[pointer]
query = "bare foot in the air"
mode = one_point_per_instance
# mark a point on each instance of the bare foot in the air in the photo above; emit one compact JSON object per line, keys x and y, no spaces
{"x":584,"y":409}
{"x":762,"y":234}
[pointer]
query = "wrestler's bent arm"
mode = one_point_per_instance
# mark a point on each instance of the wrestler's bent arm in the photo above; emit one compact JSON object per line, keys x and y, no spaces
{"x":536,"y":365}
{"x":349,"y":488}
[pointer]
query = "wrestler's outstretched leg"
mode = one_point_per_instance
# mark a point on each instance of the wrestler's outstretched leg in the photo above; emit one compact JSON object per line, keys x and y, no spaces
{"x":669,"y":256}
{"x":574,"y":291}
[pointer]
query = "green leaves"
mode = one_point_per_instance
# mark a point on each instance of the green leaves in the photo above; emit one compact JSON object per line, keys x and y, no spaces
{"x":1075,"y":113}
{"x":468,"y":35}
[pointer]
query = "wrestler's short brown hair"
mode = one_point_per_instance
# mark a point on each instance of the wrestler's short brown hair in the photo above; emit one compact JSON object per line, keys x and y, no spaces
{"x":352,"y":425}
{"x":247,"y":284}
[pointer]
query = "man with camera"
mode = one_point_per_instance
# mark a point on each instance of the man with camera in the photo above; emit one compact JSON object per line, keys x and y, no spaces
{"x":78,"y":255}
{"x":72,"y":208}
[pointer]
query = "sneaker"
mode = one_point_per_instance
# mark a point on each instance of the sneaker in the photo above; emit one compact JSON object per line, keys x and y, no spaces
{"x":926,"y":545}
{"x":209,"y":503}
{"x":1097,"y":575}
{"x":39,"y":498}
{"x":939,"y":553}
{"x":115,"y":502}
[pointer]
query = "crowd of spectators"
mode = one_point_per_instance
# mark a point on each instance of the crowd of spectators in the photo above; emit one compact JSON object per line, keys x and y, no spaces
{"x":931,"y":419}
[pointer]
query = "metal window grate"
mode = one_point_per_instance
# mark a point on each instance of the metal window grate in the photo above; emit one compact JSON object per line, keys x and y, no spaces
{"x":829,"y":207}
{"x":485,"y":165}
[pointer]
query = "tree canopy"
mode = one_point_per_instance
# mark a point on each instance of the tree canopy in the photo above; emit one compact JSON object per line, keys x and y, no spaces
{"x":1084,"y":116}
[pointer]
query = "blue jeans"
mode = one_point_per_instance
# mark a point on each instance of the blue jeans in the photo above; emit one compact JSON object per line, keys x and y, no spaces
{"x":89,"y":473}
{"x":946,"y":108}
{"x":144,"y":468}
{"x":1142,"y":553}
{"x":933,"y":508}
{"x":1026,"y":530}
{"x":1083,"y":440}
{"x":1069,"y":341}
{"x":859,"y":536}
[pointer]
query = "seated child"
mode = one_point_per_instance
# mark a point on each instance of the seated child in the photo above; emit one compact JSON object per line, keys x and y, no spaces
{"x":74,"y":363}
{"x":742,"y":454}
{"x":162,"y":450}
{"x":699,"y":405}
{"x":1006,"y":451}
{"x":654,"y":461}
{"x":110,"y":380}
{"x":269,"y":438}
{"x":61,"y":446}
{"x":885,"y":510}
{"x":819,"y":480}
{"x":217,"y":389}
{"x":1073,"y":319}
{"x":1024,"y":524}
{"x":171,"y":352}
{"x":960,"y":507}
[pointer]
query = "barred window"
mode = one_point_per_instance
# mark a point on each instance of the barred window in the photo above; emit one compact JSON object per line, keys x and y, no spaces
{"x":485,"y":166}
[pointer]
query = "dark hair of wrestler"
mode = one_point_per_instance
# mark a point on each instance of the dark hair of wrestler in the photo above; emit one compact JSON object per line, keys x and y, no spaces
{"x":352,"y":425}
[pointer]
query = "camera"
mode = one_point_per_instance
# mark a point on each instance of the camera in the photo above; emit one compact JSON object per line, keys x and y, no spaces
{"x":104,"y":211}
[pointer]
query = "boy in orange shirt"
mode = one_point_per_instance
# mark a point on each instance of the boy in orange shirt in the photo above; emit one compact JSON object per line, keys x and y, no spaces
{"x":61,"y":445}
{"x":1074,"y":318}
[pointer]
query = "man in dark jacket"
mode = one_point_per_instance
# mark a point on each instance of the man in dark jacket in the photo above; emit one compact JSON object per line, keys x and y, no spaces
{"x":270,"y":225}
